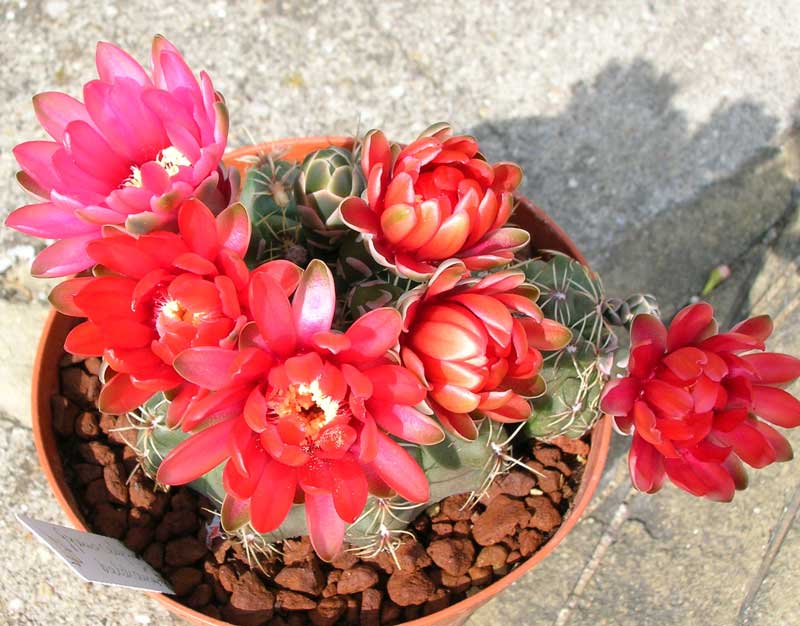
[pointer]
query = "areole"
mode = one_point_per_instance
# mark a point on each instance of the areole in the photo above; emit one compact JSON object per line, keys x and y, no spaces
{"x":545,"y":234}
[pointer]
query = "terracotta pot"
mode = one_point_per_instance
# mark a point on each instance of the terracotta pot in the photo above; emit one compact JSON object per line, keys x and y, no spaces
{"x":545,"y":234}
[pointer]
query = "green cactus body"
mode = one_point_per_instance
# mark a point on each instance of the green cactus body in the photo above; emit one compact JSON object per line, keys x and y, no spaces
{"x":370,"y":295}
{"x":268,"y":194}
{"x":619,"y":312}
{"x":353,"y":262}
{"x":452,"y":467}
{"x":575,"y":375}
{"x":571,"y":404}
{"x":326,"y":178}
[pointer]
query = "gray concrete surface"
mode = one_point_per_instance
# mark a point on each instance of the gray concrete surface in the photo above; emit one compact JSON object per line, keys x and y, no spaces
{"x":658,"y":134}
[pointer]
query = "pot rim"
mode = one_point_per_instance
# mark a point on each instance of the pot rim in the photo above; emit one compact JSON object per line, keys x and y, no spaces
{"x":57,"y":325}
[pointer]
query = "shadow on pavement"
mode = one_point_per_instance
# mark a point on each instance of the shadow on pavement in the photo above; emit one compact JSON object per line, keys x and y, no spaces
{"x":652,"y":201}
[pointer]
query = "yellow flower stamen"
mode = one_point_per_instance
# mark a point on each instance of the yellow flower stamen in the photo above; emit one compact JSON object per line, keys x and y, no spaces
{"x":170,"y":159}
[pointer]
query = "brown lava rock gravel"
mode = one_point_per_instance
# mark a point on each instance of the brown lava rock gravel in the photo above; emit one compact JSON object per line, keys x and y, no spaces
{"x":457,"y":551}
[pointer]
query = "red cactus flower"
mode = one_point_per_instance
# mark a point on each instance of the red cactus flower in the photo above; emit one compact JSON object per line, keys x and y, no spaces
{"x":157,"y":295}
{"x":138,"y":145}
{"x":318,"y":407}
{"x":475,"y":345}
{"x":698,"y":402}
{"x":436,"y":199}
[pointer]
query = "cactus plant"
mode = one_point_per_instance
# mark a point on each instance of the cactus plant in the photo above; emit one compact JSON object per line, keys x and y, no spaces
{"x":268,"y":194}
{"x":326,"y":178}
{"x":369,"y":295}
{"x":575,"y":374}
{"x":353,"y":262}
{"x":619,"y":312}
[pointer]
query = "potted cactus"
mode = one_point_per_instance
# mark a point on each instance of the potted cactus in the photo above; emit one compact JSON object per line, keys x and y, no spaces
{"x":345,"y":380}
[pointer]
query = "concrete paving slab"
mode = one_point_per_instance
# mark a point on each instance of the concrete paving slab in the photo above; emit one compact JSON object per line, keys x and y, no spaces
{"x":776,"y":602}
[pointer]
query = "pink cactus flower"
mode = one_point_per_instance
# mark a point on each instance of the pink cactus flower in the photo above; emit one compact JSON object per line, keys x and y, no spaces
{"x":129,"y":154}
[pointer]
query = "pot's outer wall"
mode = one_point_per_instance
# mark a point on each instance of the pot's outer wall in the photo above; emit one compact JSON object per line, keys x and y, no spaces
{"x":545,"y":234}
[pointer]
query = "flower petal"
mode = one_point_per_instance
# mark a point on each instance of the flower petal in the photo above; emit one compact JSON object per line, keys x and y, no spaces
{"x":119,"y":395}
{"x":233,"y":229}
{"x":492,"y":312}
{"x":460,"y":425}
{"x":701,"y":479}
{"x":372,"y":335}
{"x":197,"y":455}
{"x":199,"y":228}
{"x":314,"y":302}
{"x":774,"y":368}
{"x":407,"y":423}
{"x":705,"y":393}
{"x":114,"y":63}
{"x":207,"y":367}
{"x":670,"y":400}
{"x":273,"y":497}
{"x":619,"y":395}
{"x":759,"y":327}
{"x":397,"y":221}
{"x":325,"y":527}
{"x":358,"y":216}
{"x":446,"y":341}
{"x":62,"y":297}
{"x":644,"y":357}
{"x":686,"y":363}
{"x":234,"y":514}
{"x":64,"y":257}
{"x":731,"y":342}
{"x":446,"y":276}
{"x":393,"y":384}
{"x":756,"y":443}
{"x":776,"y":406}
{"x":86,"y":339}
{"x":646,"y":466}
{"x":454,"y":398}
{"x":400,"y":471}
{"x":689,"y":324}
{"x":285,"y":273}
{"x":545,"y":335}
{"x":273,"y":314}
{"x":452,"y":233}
{"x":55,"y":110}
{"x":350,"y":488}
{"x":647,"y":327}
{"x":49,"y":220}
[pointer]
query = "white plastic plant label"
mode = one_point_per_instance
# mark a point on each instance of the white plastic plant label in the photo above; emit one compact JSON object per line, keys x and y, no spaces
{"x":97,"y":559}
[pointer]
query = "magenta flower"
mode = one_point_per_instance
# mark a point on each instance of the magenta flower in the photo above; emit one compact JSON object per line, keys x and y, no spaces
{"x":129,"y":154}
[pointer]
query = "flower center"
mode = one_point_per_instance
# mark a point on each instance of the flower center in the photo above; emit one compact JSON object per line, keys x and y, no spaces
{"x":170,"y":159}
{"x":174,"y":311}
{"x":306,"y":406}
